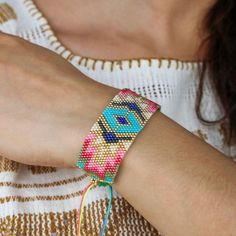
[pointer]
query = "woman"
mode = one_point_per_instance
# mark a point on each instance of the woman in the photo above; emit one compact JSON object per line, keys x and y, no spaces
{"x":180,"y":184}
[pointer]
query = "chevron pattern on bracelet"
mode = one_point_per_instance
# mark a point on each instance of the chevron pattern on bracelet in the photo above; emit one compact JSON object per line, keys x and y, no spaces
{"x":113,"y":133}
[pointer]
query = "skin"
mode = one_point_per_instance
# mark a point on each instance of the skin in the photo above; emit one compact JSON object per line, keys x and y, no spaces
{"x":130,"y":28}
{"x":36,"y":87}
{"x":46,"y":110}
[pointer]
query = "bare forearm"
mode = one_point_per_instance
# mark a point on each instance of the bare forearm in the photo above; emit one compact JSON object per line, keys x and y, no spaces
{"x":179,"y":183}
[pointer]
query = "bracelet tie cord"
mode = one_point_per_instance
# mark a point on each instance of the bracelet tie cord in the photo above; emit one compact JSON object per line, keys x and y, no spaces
{"x":110,"y":138}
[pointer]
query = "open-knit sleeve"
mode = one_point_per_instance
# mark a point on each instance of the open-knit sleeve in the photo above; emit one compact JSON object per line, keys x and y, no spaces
{"x":233,"y":152}
{"x":8,"y":18}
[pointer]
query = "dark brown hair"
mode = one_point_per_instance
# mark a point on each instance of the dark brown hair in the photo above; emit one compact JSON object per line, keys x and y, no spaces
{"x":221,"y":62}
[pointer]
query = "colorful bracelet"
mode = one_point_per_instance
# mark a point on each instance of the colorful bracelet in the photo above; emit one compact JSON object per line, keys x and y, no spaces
{"x":111,"y":136}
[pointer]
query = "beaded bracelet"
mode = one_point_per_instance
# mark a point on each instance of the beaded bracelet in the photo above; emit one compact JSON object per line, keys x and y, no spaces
{"x":110,"y":138}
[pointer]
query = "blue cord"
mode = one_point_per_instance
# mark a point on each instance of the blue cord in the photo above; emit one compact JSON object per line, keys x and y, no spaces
{"x":108,"y":212}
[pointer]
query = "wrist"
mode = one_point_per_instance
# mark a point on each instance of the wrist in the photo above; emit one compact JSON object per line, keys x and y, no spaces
{"x":109,"y":138}
{"x":112,"y":133}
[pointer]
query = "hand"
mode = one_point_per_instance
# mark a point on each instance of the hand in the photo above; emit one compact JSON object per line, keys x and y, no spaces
{"x":46,"y":107}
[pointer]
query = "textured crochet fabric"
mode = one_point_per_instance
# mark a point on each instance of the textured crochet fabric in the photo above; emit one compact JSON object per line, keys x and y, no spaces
{"x":42,"y":200}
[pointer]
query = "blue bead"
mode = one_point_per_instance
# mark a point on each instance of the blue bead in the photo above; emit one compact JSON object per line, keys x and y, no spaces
{"x":110,"y":137}
{"x":122,"y":120}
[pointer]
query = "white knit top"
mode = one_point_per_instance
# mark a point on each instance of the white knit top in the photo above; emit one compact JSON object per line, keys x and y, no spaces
{"x":44,"y":201}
